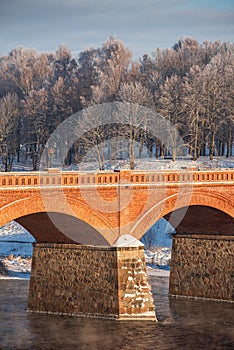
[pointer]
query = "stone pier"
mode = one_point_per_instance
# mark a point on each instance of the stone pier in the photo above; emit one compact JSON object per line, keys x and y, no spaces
{"x":202,"y":266}
{"x":88,"y":281}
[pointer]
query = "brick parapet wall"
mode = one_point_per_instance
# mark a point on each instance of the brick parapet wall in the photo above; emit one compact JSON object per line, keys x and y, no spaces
{"x":67,"y":179}
{"x":203,"y":267}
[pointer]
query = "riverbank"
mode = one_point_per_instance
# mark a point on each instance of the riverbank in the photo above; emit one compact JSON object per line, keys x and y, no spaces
{"x":15,"y":267}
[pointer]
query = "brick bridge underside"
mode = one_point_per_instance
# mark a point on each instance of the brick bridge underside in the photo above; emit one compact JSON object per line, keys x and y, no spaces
{"x":51,"y":227}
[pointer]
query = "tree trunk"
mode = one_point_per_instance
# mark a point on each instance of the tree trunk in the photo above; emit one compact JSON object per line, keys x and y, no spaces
{"x":212,"y":146}
{"x":229,"y":143}
{"x":156,"y":149}
{"x":162,"y":150}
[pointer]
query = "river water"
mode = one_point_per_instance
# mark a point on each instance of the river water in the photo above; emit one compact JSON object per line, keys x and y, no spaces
{"x":183,"y":324}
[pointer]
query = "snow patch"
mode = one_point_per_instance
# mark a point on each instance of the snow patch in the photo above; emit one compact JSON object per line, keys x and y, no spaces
{"x":127,"y":241}
{"x":14,"y":239}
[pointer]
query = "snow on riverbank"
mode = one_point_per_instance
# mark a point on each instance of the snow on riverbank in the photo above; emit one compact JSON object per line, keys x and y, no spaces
{"x":15,"y":240}
{"x":158,"y":261}
{"x":158,"y":256}
{"x":16,"y":266}
{"x":15,"y":250}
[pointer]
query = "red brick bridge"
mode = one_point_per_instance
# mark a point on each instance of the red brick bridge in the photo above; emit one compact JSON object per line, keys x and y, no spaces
{"x":96,"y":208}
{"x":65,"y":209}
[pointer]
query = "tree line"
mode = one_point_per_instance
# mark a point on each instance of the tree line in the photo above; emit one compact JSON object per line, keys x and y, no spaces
{"x":190,"y":84}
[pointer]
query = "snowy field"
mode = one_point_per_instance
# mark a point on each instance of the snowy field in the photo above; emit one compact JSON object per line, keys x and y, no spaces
{"x":159,"y":164}
{"x":145,"y":163}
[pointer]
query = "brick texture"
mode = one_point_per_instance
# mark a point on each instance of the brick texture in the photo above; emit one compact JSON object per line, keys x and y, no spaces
{"x":113,"y":203}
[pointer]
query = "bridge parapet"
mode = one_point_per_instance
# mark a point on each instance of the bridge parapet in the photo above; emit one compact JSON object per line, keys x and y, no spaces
{"x":60,"y":178}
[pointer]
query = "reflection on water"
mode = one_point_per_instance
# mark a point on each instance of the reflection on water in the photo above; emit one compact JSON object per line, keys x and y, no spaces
{"x":183,"y":324}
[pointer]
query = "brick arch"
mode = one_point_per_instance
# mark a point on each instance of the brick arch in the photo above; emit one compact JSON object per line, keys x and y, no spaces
{"x":25,"y":209}
{"x":172,"y":204}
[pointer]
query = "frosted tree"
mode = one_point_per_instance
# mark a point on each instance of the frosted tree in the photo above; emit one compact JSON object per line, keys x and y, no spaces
{"x":87,"y":75}
{"x":138,"y":95}
{"x":111,"y":64}
{"x":193,"y":111}
{"x":226,"y":121}
{"x":9,"y":124}
{"x":170,"y":108}
{"x":36,"y":131}
{"x":212,"y":95}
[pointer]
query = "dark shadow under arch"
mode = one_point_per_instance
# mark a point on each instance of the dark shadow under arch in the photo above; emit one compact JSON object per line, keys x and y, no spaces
{"x":201,"y":219}
{"x":60,"y":228}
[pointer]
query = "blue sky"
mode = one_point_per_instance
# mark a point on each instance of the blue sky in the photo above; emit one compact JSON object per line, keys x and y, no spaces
{"x":141,"y":25}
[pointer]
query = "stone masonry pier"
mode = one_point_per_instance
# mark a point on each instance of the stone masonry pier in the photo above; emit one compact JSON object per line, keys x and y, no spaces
{"x":202,"y":266}
{"x":88,"y":281}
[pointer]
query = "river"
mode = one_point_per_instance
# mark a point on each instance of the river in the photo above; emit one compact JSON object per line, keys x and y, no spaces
{"x":183,"y":324}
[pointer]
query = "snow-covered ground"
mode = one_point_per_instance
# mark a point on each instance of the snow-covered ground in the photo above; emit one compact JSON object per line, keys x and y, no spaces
{"x":16,"y":266}
{"x":15,"y":240}
{"x":16,"y":250}
{"x":158,"y":164}
{"x":145,"y":163}
{"x":159,"y":256}
{"x":158,"y":261}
